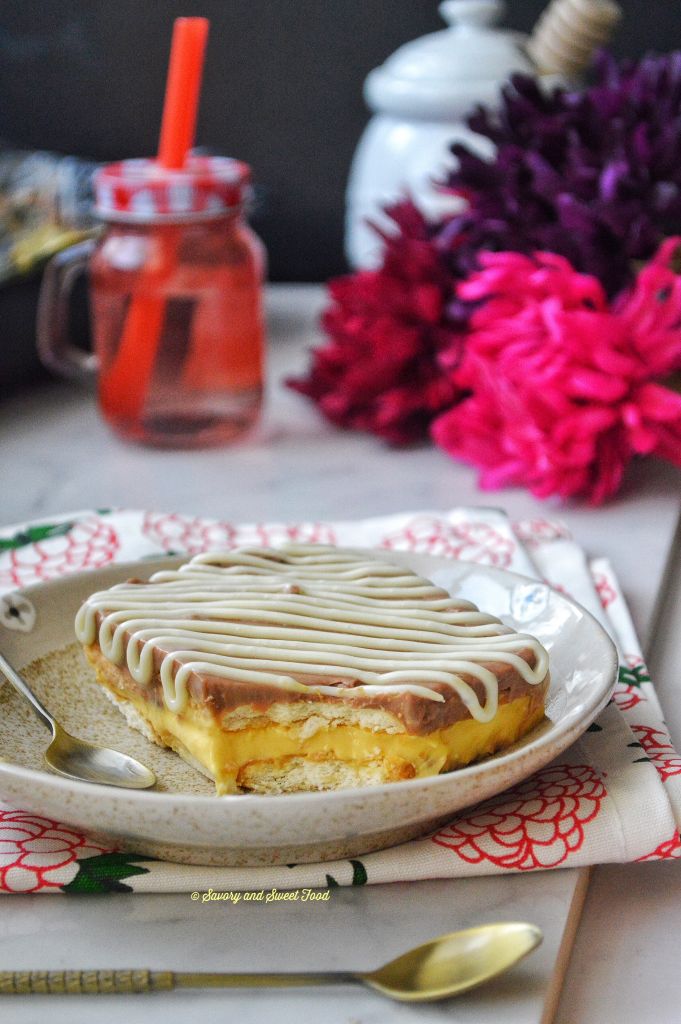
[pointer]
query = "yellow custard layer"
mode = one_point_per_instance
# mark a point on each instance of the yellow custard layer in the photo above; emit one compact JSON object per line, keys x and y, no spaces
{"x":223,"y":754}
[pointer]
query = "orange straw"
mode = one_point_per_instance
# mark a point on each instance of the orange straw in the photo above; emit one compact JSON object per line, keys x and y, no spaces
{"x":182,"y":91}
{"x":131,"y":371}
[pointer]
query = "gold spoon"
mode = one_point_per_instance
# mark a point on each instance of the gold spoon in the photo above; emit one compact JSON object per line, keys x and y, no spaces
{"x":443,"y":967}
{"x":77,"y":759}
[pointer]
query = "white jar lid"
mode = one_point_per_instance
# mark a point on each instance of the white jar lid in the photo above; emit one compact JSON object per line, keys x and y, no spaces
{"x":446,"y":73}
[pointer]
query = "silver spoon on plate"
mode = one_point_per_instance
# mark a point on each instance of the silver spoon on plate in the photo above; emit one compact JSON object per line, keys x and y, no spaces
{"x":78,"y":759}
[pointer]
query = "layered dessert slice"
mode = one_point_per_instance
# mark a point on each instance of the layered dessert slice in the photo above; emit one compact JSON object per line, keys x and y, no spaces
{"x":310,"y":667}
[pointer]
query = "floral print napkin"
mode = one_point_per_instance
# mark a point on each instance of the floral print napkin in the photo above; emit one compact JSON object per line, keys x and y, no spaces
{"x":615,"y":795}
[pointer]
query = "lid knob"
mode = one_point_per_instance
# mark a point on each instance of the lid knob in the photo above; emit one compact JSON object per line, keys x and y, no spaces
{"x":472,"y":13}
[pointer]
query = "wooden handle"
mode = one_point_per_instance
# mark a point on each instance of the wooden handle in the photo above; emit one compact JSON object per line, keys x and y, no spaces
{"x":20,"y":983}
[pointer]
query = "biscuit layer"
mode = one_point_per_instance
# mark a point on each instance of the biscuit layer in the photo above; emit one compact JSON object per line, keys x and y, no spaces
{"x":294,"y":747}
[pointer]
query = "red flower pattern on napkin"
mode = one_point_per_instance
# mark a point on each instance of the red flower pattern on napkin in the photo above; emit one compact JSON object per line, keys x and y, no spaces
{"x":89,"y":543}
{"x":536,"y":531}
{"x":471,"y":542}
{"x":189,"y":534}
{"x":659,"y":749}
{"x":193,"y":534}
{"x":537,"y":824}
{"x":38,"y":853}
{"x":668,"y":850}
{"x":627,"y":697}
{"x":605,"y":590}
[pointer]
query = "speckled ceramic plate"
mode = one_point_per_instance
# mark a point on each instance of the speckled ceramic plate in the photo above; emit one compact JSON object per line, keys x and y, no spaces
{"x":181,"y":820}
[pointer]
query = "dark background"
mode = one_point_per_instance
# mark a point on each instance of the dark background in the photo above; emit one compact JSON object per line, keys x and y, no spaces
{"x":282,"y":90}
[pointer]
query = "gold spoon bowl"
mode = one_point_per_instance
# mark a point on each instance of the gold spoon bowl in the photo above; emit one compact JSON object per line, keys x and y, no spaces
{"x":454,"y":963}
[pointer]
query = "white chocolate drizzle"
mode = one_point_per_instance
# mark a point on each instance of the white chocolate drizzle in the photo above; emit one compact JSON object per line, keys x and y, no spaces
{"x":272,"y":615}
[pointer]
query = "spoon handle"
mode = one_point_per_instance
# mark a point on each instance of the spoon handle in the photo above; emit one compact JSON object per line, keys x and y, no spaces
{"x":23,"y":688}
{"x":84,"y":983}
{"x":270,"y":979}
{"x":136,"y":981}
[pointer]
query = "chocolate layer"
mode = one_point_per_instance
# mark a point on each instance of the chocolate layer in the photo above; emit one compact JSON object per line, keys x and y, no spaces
{"x":419,"y":715}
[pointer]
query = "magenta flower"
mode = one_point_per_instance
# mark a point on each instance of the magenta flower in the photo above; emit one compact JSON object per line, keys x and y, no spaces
{"x":565,"y":388}
{"x":379,"y":369}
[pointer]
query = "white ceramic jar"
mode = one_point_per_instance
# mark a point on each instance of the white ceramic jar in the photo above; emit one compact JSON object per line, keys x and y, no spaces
{"x":421,"y":97}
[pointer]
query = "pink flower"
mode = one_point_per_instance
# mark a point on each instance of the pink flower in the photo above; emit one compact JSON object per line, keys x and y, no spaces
{"x":565,"y":387}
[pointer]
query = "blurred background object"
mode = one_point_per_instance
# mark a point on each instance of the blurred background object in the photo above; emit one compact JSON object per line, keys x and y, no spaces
{"x":421,"y":98}
{"x":423,"y":95}
{"x":568,"y":31}
{"x":283,"y":90}
{"x":45,"y":202}
{"x":175,"y":283}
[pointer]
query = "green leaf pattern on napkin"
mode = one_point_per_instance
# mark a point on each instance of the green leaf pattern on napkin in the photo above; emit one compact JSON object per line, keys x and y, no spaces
{"x":33,"y":535}
{"x":104,"y":872}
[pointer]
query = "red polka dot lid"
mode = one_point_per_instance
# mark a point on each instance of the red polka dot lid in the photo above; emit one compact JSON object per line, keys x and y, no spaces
{"x":142,"y":190}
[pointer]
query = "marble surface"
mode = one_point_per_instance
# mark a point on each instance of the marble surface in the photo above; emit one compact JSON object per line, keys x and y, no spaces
{"x":353,"y":931}
{"x":56,"y":456}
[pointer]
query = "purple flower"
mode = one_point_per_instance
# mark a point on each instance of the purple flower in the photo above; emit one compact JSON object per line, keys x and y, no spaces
{"x":593,"y":175}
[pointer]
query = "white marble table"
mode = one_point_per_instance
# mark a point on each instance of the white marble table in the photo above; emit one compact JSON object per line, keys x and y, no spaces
{"x":56,"y":456}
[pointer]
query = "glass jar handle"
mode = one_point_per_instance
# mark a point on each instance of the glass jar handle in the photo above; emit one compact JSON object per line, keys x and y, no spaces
{"x":55,"y":348}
